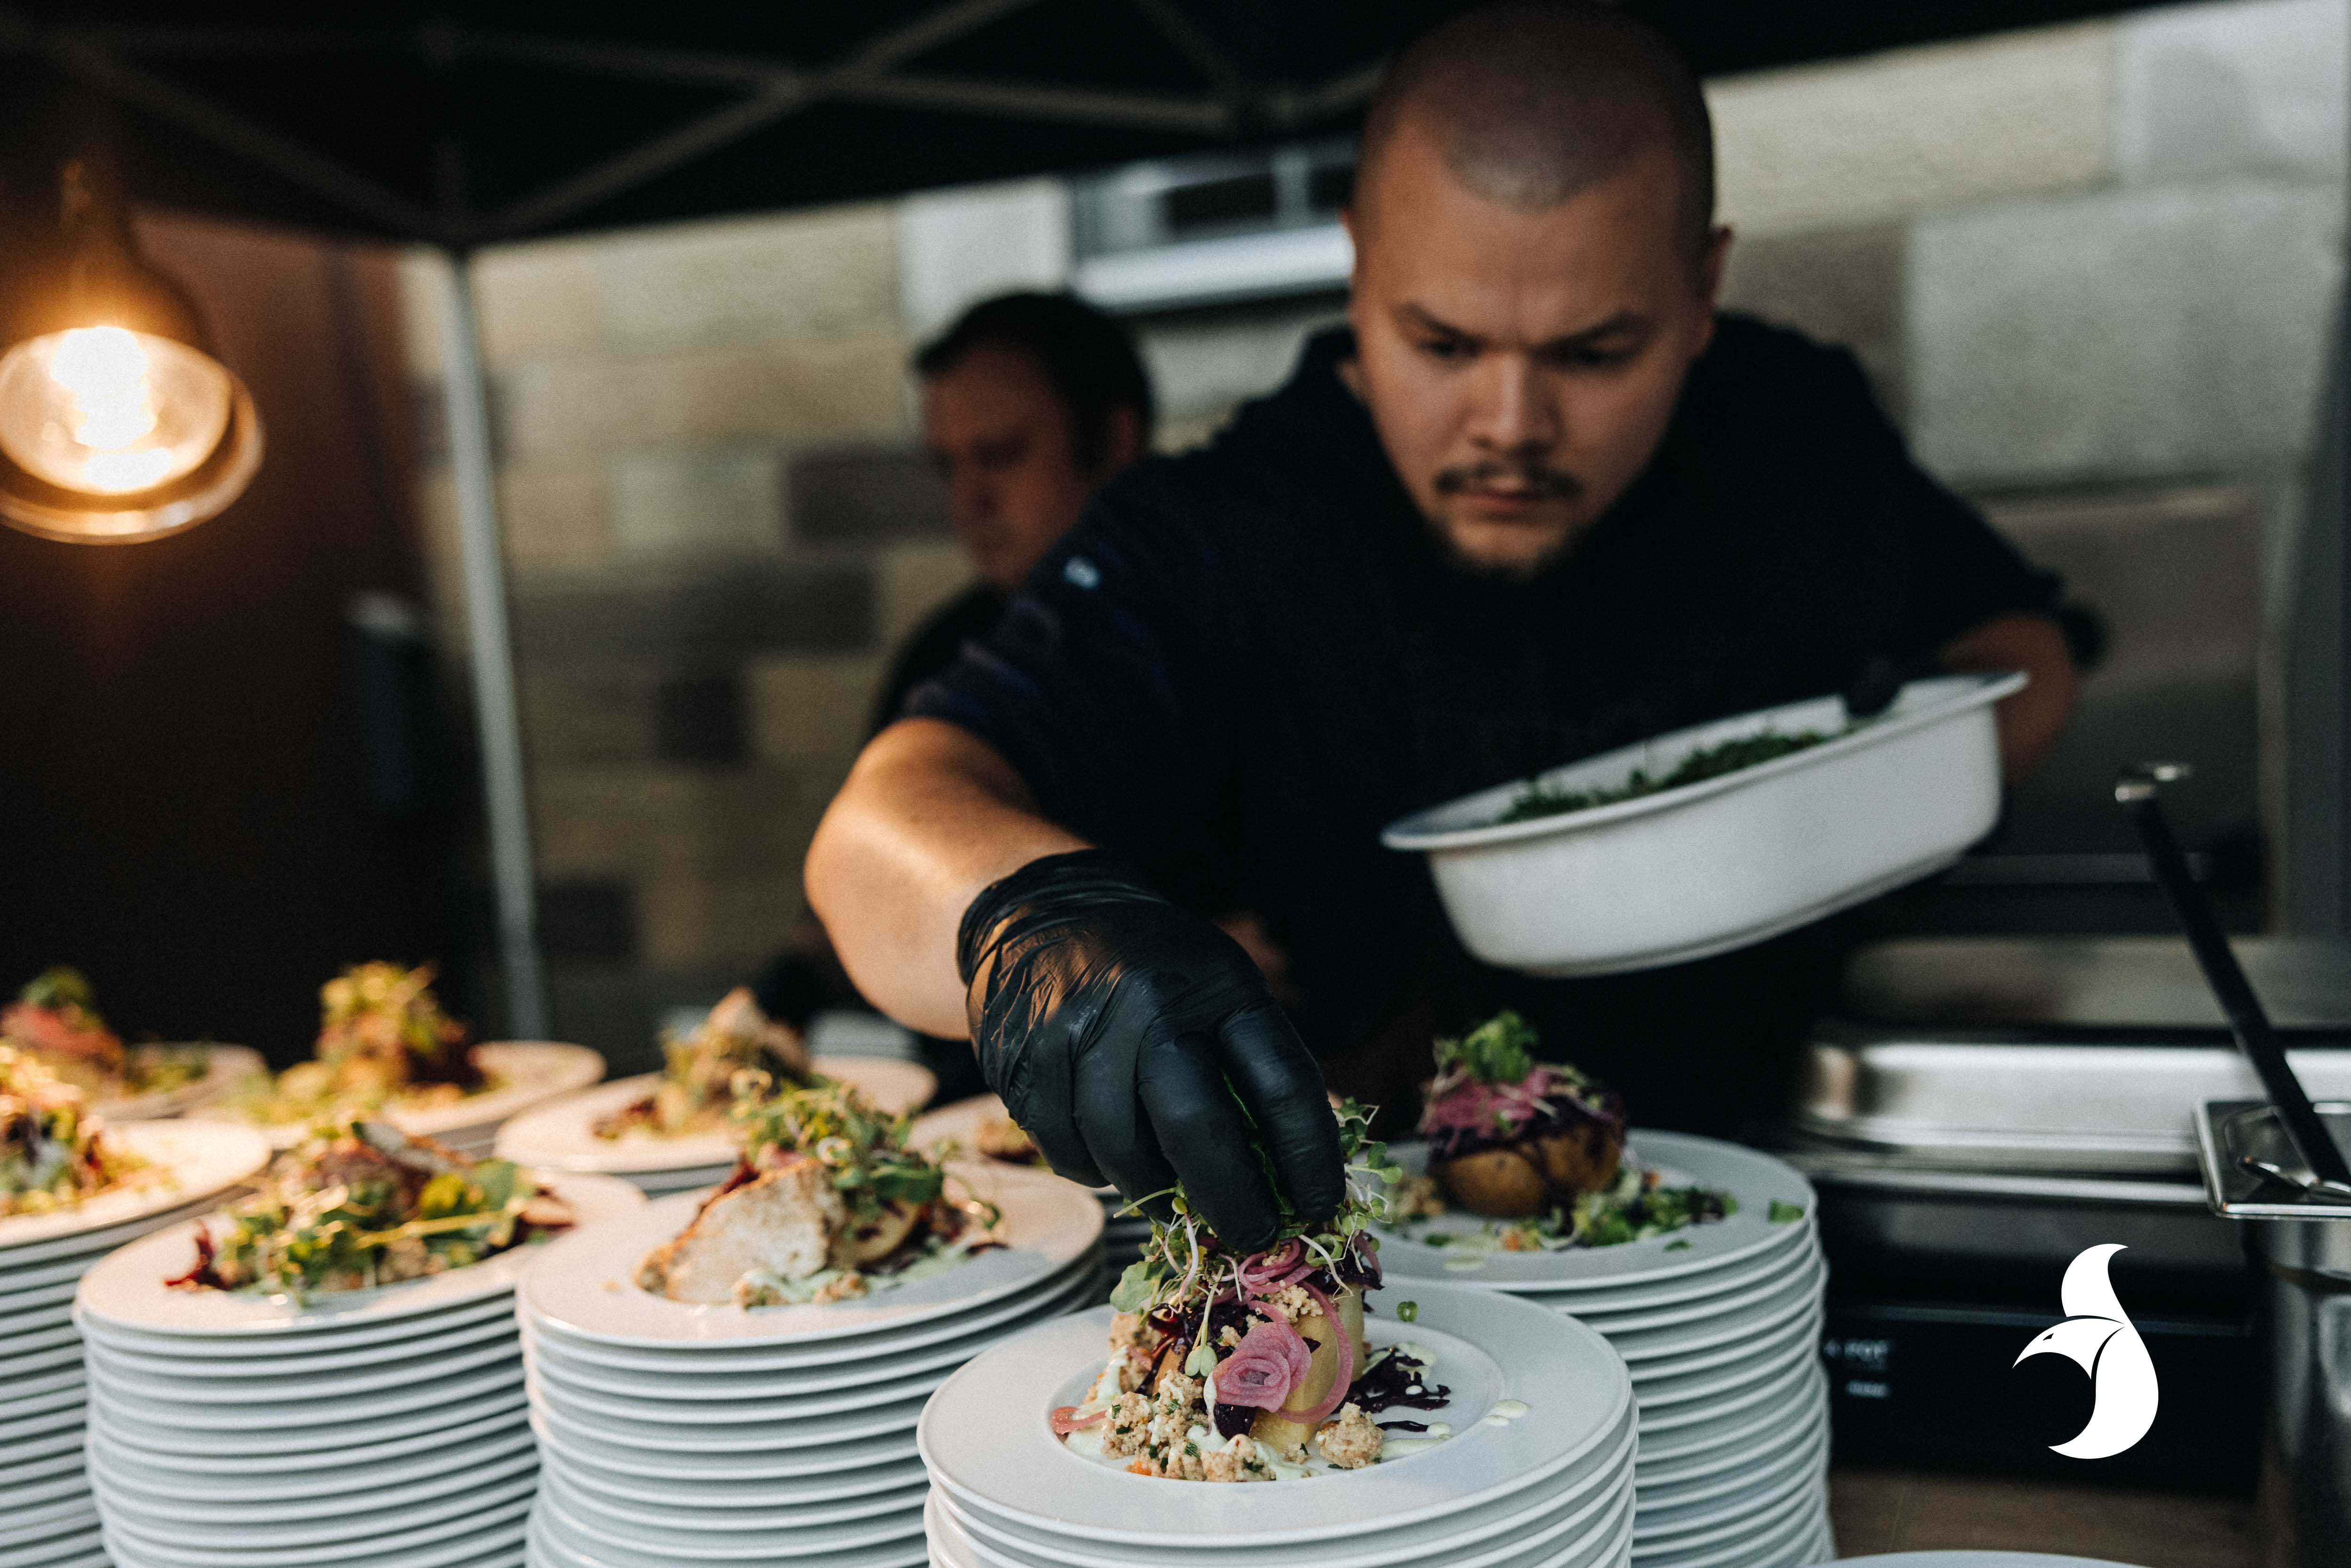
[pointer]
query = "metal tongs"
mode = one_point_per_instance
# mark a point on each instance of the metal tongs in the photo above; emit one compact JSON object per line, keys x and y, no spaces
{"x":2323,"y":1182}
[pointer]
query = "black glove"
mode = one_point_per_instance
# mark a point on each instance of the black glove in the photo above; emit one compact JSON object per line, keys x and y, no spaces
{"x":1137,"y":1044}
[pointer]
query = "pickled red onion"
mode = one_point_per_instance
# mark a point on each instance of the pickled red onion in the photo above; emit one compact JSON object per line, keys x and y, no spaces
{"x":1066,"y":1420}
{"x":1264,"y":1368}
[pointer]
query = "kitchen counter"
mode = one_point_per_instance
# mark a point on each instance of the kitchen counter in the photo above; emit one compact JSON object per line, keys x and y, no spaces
{"x":1900,"y":1511}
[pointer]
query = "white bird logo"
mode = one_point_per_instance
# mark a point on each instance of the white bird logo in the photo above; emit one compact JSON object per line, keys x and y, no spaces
{"x":2099,"y":1335}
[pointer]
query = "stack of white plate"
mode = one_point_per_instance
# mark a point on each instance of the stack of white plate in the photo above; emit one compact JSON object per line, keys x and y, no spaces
{"x":1537,"y":1472}
{"x":46,"y":1515}
{"x":1124,"y":1230}
{"x":522,"y":1073}
{"x":561,"y":1135}
{"x":380,"y":1428}
{"x":674,"y":1436}
{"x":1721,"y":1324}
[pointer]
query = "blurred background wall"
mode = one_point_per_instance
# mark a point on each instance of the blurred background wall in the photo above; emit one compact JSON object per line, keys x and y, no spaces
{"x":2093,"y":270}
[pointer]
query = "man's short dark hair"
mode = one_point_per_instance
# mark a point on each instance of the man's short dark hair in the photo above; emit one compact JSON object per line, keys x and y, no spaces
{"x":1529,"y":101}
{"x":1085,"y":357}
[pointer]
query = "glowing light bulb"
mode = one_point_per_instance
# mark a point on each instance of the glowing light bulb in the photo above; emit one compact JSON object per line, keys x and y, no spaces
{"x":108,"y":412}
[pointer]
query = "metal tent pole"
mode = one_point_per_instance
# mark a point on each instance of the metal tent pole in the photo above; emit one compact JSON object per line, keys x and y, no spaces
{"x":487,"y":636}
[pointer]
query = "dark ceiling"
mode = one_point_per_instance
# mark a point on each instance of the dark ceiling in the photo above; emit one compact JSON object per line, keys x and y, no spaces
{"x":475,"y":122}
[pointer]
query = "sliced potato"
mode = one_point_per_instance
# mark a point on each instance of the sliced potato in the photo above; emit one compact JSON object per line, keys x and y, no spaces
{"x":1580,"y":1158}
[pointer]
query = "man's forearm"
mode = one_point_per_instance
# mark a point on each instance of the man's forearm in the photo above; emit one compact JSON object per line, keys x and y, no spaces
{"x":2031,"y":720}
{"x":930,"y":815}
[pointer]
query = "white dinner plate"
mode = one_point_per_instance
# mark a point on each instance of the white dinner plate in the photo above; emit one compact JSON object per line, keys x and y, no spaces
{"x":1759,"y":1311}
{"x":225,"y":1067}
{"x":585,"y":1285}
{"x":1733,"y":1429}
{"x":129,"y":1289}
{"x":1682,"y":1289}
{"x":525,"y":1072}
{"x":257,"y":1524}
{"x":561,"y":1136}
{"x":50,"y":1489}
{"x":162,"y":1432}
{"x":19,"y":1403}
{"x":355,"y":1386}
{"x":553,"y":1552}
{"x":885,"y":1343}
{"x":986,"y":1437}
{"x":1697,"y":1474}
{"x":339,"y":1370}
{"x":713,"y":1546}
{"x":1505,"y":1519}
{"x":187,"y":1162}
{"x":314,"y":1422}
{"x":694,"y":1438}
{"x":556,"y":1359}
{"x":719,"y":1499}
{"x":1766,"y":1382}
{"x":587,"y":1500}
{"x":31,"y":1296}
{"x":432,"y":1434}
{"x":292,"y":1494}
{"x":427,"y":1546}
{"x":622,"y":1413}
{"x":1687,"y":1327}
{"x":1748,"y":1541}
{"x":1756,"y":1180}
{"x":1802,"y":1333}
{"x":839,"y":1462}
{"x":368,"y":1339}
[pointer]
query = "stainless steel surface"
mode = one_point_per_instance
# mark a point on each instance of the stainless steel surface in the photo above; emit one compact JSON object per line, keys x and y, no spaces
{"x":2238,"y":1141}
{"x":492,"y":656}
{"x":2117,"y":1110}
{"x":2304,"y":1334}
{"x":2088,"y":983}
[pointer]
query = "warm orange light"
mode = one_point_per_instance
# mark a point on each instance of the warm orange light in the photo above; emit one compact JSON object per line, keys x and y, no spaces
{"x":108,"y":412}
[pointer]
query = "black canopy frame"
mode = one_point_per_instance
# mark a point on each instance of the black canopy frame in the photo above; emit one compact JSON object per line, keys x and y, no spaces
{"x":467,"y":125}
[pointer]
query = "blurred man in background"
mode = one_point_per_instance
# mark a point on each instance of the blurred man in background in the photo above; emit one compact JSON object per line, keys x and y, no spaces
{"x":1032,"y":403}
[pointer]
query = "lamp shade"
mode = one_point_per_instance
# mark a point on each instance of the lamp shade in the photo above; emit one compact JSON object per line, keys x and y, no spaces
{"x":117,"y":422}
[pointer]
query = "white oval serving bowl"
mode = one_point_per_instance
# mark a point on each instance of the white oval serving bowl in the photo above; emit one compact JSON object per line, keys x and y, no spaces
{"x":1686,"y":873}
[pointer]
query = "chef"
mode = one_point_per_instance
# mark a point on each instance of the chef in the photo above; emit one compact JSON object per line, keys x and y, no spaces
{"x":1538,"y":500}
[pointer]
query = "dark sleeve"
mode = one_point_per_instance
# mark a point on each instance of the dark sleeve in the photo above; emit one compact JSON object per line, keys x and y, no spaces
{"x":932,"y":646}
{"x":1962,"y":571}
{"x":1880,"y":558}
{"x":1101,"y":684}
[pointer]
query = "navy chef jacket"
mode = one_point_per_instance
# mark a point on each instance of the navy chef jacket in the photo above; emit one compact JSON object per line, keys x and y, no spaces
{"x":1247,"y":659}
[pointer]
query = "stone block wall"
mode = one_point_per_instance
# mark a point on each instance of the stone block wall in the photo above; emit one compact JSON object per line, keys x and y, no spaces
{"x":2092,"y":265}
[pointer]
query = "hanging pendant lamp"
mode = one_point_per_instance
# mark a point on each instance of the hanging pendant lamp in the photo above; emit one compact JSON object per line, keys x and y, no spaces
{"x":117,"y":422}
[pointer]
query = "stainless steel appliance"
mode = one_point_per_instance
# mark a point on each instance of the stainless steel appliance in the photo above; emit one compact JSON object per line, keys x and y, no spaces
{"x":1981,"y":1110}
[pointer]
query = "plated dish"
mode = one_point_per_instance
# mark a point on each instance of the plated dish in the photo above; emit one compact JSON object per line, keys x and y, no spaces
{"x":383,"y":1042}
{"x":825,"y":1203}
{"x":1526,"y":1155}
{"x":56,"y":1020}
{"x":365,"y":1205}
{"x":670,"y":1132}
{"x":54,"y":1155}
{"x":1226,"y":1366}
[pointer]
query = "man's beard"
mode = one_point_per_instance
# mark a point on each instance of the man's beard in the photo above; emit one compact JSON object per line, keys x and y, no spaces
{"x":1531,"y":478}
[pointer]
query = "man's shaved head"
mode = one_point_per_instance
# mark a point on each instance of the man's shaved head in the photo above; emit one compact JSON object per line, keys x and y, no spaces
{"x":1530,"y":103}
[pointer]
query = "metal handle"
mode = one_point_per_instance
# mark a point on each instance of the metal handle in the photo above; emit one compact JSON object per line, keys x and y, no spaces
{"x":2136,"y":793}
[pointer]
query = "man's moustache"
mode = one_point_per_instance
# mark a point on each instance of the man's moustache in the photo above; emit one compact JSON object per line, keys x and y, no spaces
{"x":1532,"y":479}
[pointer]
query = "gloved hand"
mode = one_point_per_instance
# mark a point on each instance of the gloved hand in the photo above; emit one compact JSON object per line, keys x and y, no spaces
{"x":1137,"y":1044}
